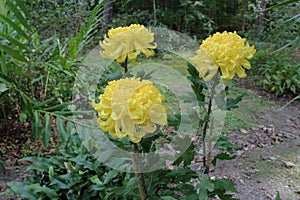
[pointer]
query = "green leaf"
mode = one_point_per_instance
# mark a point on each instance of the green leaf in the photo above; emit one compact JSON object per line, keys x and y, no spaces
{"x":277,"y":196}
{"x":224,"y":185}
{"x":36,"y":125}
{"x":13,"y":53}
{"x":3,"y":87}
{"x":63,"y":135}
{"x":23,"y":190}
{"x":110,"y":175}
{"x":23,"y":117}
{"x":182,"y":174}
{"x":187,"y":157}
{"x":47,"y":128}
{"x":3,"y":64}
{"x":23,"y":7}
{"x":281,"y":4}
{"x":48,"y":191}
{"x":205,"y":186}
{"x":2,"y":167}
{"x":58,"y":107}
{"x":41,"y":105}
{"x":222,"y":156}
{"x":17,"y":13}
{"x":167,"y":198}
{"x":232,"y":103}
{"x":13,"y":41}
{"x":14,"y":25}
{"x":224,"y":144}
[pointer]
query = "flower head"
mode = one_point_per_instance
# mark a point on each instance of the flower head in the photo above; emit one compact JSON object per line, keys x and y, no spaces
{"x":131,"y":108}
{"x":127,"y":42}
{"x":227,"y":51}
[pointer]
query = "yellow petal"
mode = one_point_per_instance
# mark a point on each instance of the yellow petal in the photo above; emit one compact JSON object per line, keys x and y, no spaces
{"x":158,"y":114}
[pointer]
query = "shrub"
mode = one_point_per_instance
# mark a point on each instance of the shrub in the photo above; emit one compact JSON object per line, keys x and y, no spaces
{"x":281,"y":74}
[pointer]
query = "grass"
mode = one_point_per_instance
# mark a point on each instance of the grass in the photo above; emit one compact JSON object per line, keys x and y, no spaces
{"x":252,"y":105}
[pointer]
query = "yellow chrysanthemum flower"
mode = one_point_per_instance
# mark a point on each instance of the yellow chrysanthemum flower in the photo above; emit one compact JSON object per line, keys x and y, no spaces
{"x":131,"y":108}
{"x":127,"y":42}
{"x":227,"y":51}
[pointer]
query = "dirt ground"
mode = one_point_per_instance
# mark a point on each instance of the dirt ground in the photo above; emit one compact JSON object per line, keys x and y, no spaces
{"x":270,"y":159}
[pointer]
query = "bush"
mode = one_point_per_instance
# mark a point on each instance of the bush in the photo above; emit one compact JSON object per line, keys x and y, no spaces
{"x":281,"y":74}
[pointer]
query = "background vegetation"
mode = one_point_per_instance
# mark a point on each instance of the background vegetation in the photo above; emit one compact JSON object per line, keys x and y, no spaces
{"x":43,"y":43}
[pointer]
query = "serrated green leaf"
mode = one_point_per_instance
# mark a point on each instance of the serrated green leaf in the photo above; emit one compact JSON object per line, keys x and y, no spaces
{"x":222,"y":156}
{"x":47,"y":128}
{"x":205,"y":186}
{"x":182,"y":174}
{"x":232,"y":102}
{"x":187,"y":157}
{"x":224,"y":185}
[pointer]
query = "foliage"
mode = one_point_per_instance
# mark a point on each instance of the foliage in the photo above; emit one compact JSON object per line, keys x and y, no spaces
{"x":281,"y":74}
{"x":38,"y":73}
{"x":279,"y":26}
{"x":76,"y":174}
{"x":180,"y":15}
{"x":63,"y":18}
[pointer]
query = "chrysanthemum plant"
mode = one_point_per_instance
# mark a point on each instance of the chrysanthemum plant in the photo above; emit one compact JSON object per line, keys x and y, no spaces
{"x":129,"y":109}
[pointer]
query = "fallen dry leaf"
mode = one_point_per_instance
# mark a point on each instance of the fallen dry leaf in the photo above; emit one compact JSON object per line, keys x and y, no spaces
{"x":288,"y":164}
{"x":244,"y":131}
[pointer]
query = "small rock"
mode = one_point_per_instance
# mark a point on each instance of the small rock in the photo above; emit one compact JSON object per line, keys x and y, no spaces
{"x":242,"y":181}
{"x":288,"y":164}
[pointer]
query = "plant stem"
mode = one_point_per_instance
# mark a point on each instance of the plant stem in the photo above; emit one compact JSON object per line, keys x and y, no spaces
{"x":206,"y":169}
{"x":139,"y":176}
{"x":211,"y":127}
{"x":125,"y":65}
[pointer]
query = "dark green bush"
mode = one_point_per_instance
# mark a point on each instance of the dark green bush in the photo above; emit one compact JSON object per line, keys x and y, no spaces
{"x":280,"y":72}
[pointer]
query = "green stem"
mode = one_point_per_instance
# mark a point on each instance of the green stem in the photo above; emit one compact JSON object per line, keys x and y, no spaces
{"x":125,"y":65}
{"x":139,"y":176}
{"x":207,"y":120}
